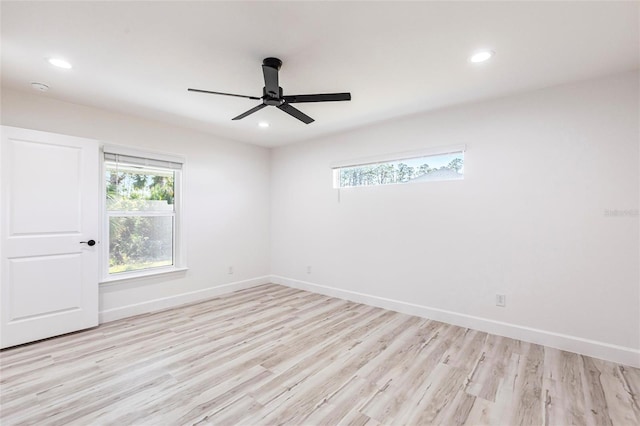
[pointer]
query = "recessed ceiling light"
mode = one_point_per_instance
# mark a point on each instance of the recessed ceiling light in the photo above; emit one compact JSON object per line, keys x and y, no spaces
{"x":482,"y":56}
{"x":40,"y":86}
{"x":60,"y":63}
{"x":263,"y":124}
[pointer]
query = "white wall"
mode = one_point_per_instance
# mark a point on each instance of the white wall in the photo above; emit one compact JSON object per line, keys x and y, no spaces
{"x":226,"y":197}
{"x":528,"y":220}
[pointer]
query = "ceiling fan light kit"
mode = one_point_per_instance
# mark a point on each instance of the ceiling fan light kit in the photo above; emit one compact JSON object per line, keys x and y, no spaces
{"x":272,"y":94}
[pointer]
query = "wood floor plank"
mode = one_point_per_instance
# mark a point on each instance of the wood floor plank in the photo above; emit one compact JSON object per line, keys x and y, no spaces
{"x":527,"y":405}
{"x":323,"y":354}
{"x":275,"y":355}
{"x":631,"y":383}
{"x":436,"y":394}
{"x":491,"y":368}
{"x":458,"y":411}
{"x":622,"y":408}
{"x":315,"y":389}
{"x":395,"y":398}
{"x":336,"y":407}
{"x":562,"y":387}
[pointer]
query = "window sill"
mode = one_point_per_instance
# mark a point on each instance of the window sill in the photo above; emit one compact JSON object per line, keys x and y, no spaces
{"x":142,"y":274}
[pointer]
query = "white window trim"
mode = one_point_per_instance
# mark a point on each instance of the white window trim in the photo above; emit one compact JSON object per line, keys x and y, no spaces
{"x":179,"y":248}
{"x":152,"y":155}
{"x":398,"y":156}
{"x":146,"y":273}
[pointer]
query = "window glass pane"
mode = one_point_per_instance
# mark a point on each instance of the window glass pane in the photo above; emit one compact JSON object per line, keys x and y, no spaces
{"x":140,"y":242}
{"x":131,"y":188}
{"x":420,"y":169}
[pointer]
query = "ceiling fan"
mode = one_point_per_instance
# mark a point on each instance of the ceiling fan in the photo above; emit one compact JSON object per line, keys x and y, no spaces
{"x":272,"y":94}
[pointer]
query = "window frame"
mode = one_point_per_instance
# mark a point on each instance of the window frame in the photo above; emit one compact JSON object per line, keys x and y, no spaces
{"x":179,"y":252}
{"x":391,"y":158}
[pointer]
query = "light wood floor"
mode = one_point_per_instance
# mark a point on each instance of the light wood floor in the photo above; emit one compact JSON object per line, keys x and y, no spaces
{"x":275,"y":355}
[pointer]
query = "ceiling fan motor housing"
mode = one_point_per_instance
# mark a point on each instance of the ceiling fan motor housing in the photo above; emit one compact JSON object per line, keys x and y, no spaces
{"x":270,"y":100}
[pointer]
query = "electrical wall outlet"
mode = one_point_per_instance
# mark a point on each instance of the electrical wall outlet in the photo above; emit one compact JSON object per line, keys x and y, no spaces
{"x":501,"y":300}
{"x":308,"y":269}
{"x":230,"y":270}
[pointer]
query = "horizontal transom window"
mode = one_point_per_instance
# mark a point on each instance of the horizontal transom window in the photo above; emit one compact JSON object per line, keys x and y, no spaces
{"x":418,"y":168}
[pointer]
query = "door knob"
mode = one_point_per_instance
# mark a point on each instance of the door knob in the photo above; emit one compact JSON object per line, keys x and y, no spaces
{"x":90,"y":243}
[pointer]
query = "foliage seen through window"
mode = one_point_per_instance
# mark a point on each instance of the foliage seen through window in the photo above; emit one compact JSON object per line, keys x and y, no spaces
{"x":420,"y":169}
{"x":140,"y":208}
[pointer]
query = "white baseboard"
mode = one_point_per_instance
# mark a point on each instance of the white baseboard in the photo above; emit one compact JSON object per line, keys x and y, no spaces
{"x":178,"y":299}
{"x":593,"y":348}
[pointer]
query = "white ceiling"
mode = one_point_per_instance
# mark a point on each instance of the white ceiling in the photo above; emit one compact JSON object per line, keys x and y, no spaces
{"x":396,"y":58}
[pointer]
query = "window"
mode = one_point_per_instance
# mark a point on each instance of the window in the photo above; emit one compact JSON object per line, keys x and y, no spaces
{"x":142,"y":215}
{"x":402,"y":168}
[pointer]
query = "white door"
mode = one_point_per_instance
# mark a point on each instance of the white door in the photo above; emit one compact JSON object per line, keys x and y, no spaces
{"x":49,"y":206}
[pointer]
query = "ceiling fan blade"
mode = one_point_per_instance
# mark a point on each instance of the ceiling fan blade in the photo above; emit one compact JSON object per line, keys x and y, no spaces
{"x":294,"y":112}
{"x":322,"y":97}
{"x":271,"y":84}
{"x":251,"y":111}
{"x":226,"y":94}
